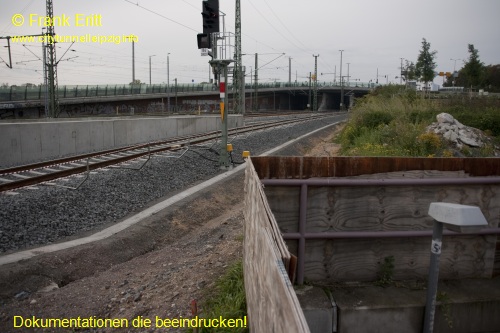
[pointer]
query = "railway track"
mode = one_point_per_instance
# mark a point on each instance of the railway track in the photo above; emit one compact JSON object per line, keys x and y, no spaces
{"x":45,"y":172}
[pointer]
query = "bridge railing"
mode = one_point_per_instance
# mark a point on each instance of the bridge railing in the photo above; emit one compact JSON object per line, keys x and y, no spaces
{"x":306,"y":85}
{"x":28,"y":93}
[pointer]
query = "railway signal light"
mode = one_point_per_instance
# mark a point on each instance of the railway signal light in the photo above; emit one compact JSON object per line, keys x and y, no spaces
{"x":210,"y":16}
{"x":203,"y":41}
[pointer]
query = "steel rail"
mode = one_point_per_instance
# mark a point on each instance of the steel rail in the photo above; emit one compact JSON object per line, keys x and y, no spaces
{"x":148,"y":149}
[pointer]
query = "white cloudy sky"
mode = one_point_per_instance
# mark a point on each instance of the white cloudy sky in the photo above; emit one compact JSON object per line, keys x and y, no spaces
{"x":373,"y":34}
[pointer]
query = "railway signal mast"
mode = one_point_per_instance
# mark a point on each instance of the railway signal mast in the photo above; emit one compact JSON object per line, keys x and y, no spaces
{"x":49,"y":63}
{"x":51,"y":71}
{"x":217,"y":44}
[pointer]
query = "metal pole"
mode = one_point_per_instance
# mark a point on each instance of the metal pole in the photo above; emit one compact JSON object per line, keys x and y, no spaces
{"x":341,"y":84}
{"x":274,"y":99}
{"x":45,"y":81}
{"x":223,"y":158}
{"x":239,"y":86}
{"x":290,"y":71}
{"x":150,"y":68}
{"x":168,"y":82}
{"x":348,"y":73}
{"x":133,"y":63}
{"x":302,"y":231}
{"x":256,"y":82}
{"x":175,"y":108}
{"x":52,"y":64}
{"x":10,"y":55}
{"x":454,"y":69}
{"x":251,"y":85}
{"x":309,"y":100}
{"x":382,"y":182}
{"x":430,"y":306}
{"x":315,"y":100}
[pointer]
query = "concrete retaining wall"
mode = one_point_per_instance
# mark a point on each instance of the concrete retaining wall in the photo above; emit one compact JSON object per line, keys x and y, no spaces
{"x":24,"y":142}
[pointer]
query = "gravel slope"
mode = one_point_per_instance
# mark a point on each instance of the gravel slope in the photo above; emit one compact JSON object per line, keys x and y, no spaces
{"x":49,"y":214}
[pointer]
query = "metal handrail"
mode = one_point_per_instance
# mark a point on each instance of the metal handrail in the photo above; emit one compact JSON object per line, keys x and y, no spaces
{"x":27,"y":93}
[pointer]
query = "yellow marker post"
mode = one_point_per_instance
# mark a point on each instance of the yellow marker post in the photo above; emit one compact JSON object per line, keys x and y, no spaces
{"x":222,"y":110}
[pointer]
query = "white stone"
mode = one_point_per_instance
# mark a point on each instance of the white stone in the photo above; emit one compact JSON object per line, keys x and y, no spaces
{"x":451,"y":136}
{"x":52,"y":286}
{"x":445,"y":118}
{"x":469,"y":141}
{"x":459,"y":124}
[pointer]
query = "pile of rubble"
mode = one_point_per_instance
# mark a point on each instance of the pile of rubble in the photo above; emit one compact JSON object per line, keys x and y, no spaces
{"x":458,"y":134}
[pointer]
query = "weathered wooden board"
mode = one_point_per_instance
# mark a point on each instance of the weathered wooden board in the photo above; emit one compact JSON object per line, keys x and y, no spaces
{"x":382,"y":208}
{"x":330,"y":261}
{"x":308,"y":167}
{"x":271,"y":301}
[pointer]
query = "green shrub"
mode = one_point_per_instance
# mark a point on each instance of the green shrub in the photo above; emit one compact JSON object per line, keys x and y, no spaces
{"x":392,"y":122}
{"x":374,"y":119}
{"x":228,"y":300}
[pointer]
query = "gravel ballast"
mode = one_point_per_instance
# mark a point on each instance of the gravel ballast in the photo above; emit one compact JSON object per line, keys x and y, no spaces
{"x":47,"y":214}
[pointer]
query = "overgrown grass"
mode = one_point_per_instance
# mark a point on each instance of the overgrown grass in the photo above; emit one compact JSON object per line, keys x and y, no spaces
{"x":392,"y":122}
{"x":227,"y":300}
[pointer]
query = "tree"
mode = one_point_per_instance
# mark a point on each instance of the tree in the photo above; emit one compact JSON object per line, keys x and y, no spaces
{"x":473,"y":71}
{"x":492,"y":78}
{"x":409,"y":71}
{"x":424,"y":69}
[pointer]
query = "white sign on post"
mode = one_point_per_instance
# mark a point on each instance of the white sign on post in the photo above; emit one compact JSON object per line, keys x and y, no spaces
{"x":204,"y":52}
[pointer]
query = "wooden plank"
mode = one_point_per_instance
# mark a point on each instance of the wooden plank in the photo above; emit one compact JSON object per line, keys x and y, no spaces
{"x":271,"y":301}
{"x":330,"y":261}
{"x":381,"y":208}
{"x":306,"y":167}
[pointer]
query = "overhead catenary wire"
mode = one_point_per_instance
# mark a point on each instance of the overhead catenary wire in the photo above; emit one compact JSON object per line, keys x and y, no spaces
{"x":160,"y":15}
{"x":113,"y":58}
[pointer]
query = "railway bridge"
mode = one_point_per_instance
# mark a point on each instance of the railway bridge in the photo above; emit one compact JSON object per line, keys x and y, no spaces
{"x":29,"y":102}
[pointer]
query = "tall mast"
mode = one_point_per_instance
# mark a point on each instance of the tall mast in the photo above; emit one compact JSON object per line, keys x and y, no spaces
{"x":52,"y":64}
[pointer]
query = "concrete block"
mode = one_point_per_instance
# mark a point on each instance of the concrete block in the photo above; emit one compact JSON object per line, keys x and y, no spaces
{"x":120,"y":128}
{"x":31,"y":146}
{"x":170,"y":128}
{"x":68,"y":138}
{"x":156,"y":129}
{"x":471,"y":305}
{"x":50,"y":139}
{"x":186,"y":126}
{"x":101,"y":135}
{"x":10,"y":144}
{"x":83,"y":139}
{"x":317,"y":308}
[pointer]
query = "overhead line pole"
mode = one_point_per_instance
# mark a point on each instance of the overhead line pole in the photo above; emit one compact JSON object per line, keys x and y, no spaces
{"x":133,"y":63}
{"x":256,"y":82}
{"x":238,"y":75}
{"x":315,"y":100}
{"x":341,"y":84}
{"x":52,"y":65}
